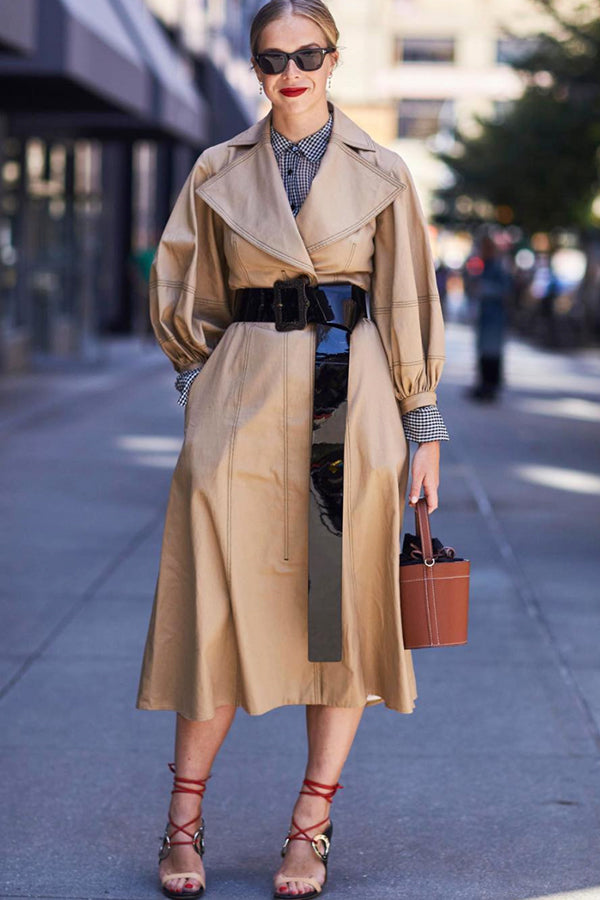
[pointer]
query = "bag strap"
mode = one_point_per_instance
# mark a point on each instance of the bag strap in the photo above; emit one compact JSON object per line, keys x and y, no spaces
{"x":424,"y":531}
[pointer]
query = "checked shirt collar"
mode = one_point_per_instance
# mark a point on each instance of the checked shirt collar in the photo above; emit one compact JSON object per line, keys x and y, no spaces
{"x":313,"y":146}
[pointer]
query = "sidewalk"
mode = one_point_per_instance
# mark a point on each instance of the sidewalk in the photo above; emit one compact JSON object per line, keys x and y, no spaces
{"x":490,"y":790}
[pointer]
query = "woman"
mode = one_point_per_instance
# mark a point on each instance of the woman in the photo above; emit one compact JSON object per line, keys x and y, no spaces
{"x":301,"y":323}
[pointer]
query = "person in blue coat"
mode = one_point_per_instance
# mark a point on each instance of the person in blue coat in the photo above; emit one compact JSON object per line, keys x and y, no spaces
{"x":490,"y":290}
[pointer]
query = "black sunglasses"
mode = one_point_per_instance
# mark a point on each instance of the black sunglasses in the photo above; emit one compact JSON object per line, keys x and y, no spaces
{"x":275,"y":62}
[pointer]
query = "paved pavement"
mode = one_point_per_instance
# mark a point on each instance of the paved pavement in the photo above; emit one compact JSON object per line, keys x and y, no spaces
{"x":490,"y":790}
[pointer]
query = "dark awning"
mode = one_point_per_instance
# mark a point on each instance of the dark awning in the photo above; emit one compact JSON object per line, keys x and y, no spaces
{"x":100,"y":66}
{"x":177,"y":103}
{"x":17,"y":26}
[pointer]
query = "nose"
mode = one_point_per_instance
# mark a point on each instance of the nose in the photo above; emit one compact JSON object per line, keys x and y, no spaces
{"x":291,"y":68}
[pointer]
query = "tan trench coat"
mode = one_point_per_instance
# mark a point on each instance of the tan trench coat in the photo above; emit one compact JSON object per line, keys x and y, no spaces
{"x":229,"y":620}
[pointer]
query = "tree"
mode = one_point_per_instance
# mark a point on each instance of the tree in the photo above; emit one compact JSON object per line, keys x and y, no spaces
{"x":538,"y":164}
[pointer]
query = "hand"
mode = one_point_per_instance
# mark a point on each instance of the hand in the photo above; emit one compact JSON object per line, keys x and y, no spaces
{"x":425,"y":474}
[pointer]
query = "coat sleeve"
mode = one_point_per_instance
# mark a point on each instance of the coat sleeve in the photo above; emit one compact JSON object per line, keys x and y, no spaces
{"x":190,"y":301}
{"x":404,"y":296}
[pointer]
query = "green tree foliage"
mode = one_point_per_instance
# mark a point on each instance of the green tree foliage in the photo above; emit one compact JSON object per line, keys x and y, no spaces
{"x":540,"y":158}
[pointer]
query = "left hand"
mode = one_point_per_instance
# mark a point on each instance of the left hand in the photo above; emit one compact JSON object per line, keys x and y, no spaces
{"x":425,"y":473}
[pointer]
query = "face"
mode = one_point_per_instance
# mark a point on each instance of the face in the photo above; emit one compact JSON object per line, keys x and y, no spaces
{"x":289,"y":33}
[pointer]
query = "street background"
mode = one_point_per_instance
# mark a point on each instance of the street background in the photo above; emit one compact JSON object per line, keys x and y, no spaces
{"x":489,"y":790}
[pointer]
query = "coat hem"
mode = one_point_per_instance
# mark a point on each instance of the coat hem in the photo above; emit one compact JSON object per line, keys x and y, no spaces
{"x":254,"y":710}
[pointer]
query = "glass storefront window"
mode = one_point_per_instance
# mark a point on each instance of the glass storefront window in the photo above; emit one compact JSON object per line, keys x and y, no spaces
{"x":11,"y":314}
{"x":424,"y":50}
{"x":51,"y":203}
{"x":421,"y":118}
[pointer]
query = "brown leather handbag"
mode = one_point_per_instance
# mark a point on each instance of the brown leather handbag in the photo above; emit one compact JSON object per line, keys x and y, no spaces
{"x":434,"y":589}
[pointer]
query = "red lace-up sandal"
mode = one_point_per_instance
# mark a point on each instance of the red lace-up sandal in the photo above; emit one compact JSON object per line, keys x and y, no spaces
{"x":184,"y":786}
{"x":320,"y":842}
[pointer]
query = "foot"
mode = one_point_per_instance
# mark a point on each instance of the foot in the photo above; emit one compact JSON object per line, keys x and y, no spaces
{"x":183,"y":858}
{"x":300,"y":858}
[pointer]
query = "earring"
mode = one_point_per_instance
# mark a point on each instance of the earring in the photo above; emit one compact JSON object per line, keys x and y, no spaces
{"x":260,"y":87}
{"x":329,"y":82}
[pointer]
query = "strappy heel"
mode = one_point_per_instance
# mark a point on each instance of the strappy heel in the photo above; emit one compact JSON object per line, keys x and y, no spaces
{"x":184,"y":786}
{"x":320,"y":842}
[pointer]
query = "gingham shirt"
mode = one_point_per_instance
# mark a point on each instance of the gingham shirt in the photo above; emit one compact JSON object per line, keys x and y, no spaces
{"x":298,"y":164}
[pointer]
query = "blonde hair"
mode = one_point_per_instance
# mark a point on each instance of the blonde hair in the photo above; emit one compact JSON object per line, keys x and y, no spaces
{"x":315,"y":10}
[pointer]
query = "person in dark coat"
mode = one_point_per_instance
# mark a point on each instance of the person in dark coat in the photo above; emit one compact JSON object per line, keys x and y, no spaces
{"x":490,"y":289}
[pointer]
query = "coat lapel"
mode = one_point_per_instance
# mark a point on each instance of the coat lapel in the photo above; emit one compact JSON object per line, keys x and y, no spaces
{"x":249,"y":195}
{"x":347,"y":191}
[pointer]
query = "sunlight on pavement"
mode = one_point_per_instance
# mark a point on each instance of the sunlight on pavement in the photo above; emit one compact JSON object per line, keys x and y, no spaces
{"x":585,"y":894}
{"x":149,"y":443}
{"x":572,"y":480}
{"x":563,"y":407}
{"x":156,"y":451}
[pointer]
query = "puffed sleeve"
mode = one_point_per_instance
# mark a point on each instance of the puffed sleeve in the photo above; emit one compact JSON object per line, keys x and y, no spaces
{"x":190,"y":301}
{"x":405,"y":301}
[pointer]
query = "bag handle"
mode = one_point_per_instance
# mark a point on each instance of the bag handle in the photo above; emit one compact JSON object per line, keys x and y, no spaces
{"x":424,"y":531}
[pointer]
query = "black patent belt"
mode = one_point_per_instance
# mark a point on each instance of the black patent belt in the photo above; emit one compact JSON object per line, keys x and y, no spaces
{"x":336,"y":308}
{"x":292,"y":304}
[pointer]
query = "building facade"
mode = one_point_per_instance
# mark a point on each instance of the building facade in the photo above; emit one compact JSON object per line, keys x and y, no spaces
{"x":103,"y":108}
{"x":413,"y":69}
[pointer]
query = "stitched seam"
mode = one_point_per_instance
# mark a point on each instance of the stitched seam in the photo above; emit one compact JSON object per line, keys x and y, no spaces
{"x":182,"y":286}
{"x":433,"y":605}
{"x":416,"y":362}
{"x":231,"y":452}
{"x":252,"y":239}
{"x":437,"y":578}
{"x":404,"y":304}
{"x":399,"y":185}
{"x":350,"y":256}
{"x":347,"y":492}
{"x":234,"y":225}
{"x":421,"y":298}
{"x":366,"y":218}
{"x":425,"y":585}
{"x":368,"y":165}
{"x":238,"y":257}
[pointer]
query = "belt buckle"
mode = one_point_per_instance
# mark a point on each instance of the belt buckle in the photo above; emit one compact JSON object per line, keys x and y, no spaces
{"x":302,"y":303}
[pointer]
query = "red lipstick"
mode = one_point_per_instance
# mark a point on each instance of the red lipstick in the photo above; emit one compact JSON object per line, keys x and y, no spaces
{"x":293,"y":92}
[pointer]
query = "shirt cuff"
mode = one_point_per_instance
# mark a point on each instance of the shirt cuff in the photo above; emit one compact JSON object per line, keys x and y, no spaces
{"x":183,"y":383}
{"x":424,"y":424}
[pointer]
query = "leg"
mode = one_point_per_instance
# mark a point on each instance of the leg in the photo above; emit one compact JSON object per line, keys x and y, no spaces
{"x":331,"y":731}
{"x":196,"y":746}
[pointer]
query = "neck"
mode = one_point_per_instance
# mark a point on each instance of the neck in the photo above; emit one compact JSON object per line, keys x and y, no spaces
{"x":295,"y":126}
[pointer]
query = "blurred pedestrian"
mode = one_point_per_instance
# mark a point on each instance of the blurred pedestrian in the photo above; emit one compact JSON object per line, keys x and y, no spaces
{"x":490,"y":289}
{"x":302,"y":321}
{"x":442,"y":273}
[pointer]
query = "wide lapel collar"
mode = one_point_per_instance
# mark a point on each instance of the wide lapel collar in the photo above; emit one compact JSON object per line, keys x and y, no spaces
{"x":250,"y":196}
{"x":348,"y":189}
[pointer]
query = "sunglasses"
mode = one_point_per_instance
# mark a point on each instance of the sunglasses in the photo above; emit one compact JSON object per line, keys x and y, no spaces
{"x":274,"y":63}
